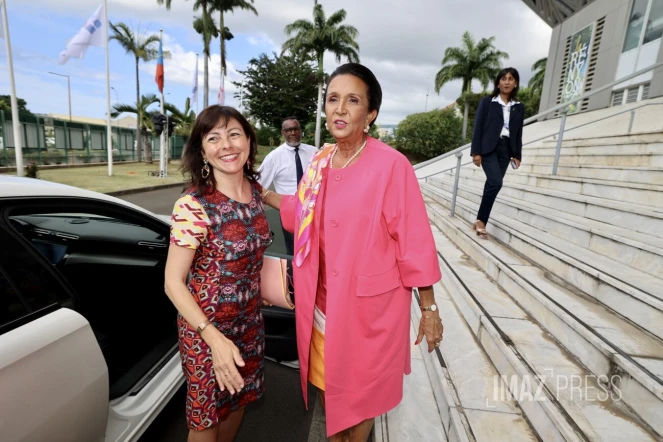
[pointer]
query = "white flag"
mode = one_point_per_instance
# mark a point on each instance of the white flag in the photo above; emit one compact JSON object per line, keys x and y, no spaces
{"x":91,"y":34}
{"x":194,"y":88}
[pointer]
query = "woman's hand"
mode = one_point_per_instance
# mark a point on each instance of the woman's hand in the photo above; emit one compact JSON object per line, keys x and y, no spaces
{"x":431,"y":327}
{"x":225,"y":359}
{"x":476,"y":159}
{"x":272,"y":199}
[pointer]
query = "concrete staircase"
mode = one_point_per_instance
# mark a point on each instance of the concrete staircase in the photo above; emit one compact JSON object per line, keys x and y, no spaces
{"x":554,"y":325}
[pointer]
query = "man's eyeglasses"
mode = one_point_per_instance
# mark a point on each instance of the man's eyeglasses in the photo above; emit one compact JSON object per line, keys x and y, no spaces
{"x":292,"y":130}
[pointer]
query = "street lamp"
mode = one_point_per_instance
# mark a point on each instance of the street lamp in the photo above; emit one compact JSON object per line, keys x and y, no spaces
{"x":68,"y":90}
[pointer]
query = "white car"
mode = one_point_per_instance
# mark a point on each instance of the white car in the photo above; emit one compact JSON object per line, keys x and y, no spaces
{"x":88,"y":338}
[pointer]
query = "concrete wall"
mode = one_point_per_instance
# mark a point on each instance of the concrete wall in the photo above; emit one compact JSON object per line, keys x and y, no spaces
{"x":616,"y":15}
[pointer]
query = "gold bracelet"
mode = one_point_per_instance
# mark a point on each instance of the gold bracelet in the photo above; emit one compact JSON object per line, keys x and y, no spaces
{"x":266,"y":194}
{"x":202,"y":326}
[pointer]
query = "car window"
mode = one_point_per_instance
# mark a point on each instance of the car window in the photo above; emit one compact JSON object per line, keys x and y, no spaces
{"x":11,"y":305}
{"x":27,"y":276}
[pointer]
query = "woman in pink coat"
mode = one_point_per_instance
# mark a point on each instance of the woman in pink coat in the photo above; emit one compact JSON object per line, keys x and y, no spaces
{"x":362,"y":242}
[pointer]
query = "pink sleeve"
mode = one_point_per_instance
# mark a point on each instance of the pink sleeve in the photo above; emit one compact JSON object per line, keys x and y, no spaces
{"x":288,"y":204}
{"x":405,"y":213}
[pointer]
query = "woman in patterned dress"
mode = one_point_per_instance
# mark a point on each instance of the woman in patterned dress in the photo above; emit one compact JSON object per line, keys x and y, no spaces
{"x":219,"y":233}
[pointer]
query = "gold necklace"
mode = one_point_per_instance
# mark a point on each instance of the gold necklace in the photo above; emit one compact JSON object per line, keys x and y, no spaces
{"x":351,"y":158}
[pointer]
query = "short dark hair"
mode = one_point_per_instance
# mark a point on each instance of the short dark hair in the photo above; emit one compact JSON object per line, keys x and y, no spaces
{"x":503,"y":72}
{"x":288,"y":119}
{"x":373,"y":88}
{"x":192,"y":158}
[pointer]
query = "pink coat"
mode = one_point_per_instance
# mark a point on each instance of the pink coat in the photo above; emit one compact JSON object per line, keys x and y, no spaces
{"x":379,"y":245}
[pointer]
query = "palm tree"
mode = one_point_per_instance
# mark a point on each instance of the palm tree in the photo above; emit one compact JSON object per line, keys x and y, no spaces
{"x":143,"y":117}
{"x":223,"y":6}
{"x":319,"y":36}
{"x":142,"y":47}
{"x":184,"y":120}
{"x":206,"y":27}
{"x":539,"y":69}
{"x":472,"y":61}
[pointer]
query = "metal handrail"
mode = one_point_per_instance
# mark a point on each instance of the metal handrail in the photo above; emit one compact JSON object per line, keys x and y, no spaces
{"x":630,"y":127}
{"x":563,"y":106}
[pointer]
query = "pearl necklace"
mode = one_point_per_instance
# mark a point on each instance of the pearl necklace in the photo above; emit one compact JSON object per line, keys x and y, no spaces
{"x":351,"y":158}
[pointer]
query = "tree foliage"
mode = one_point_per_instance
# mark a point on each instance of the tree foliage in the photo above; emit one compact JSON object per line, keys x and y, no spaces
{"x":471,"y":61}
{"x":317,"y":37}
{"x":6,"y":107}
{"x":539,"y":69}
{"x":429,"y":134}
{"x":278,"y":87}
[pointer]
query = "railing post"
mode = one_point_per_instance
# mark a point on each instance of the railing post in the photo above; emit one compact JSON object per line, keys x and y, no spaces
{"x":560,"y":137}
{"x":630,"y":123}
{"x":459,"y":156}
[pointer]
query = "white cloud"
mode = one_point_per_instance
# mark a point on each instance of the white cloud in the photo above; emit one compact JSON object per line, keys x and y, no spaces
{"x":402,"y":41}
{"x":180,"y":68}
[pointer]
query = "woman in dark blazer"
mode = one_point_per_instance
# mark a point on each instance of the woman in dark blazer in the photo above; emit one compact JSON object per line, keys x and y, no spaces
{"x":497,"y":140}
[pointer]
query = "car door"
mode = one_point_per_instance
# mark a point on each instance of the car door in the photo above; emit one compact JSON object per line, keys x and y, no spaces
{"x":54,"y":381}
{"x":113,"y":258}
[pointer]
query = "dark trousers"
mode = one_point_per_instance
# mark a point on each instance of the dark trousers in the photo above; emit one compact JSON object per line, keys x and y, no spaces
{"x":289,"y":242}
{"x":494,"y":165}
{"x":290,"y":248}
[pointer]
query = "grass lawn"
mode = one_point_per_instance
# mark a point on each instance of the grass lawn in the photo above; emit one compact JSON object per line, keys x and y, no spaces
{"x":125,"y":176}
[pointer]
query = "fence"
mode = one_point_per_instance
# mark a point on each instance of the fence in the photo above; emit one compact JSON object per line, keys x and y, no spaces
{"x":48,"y":140}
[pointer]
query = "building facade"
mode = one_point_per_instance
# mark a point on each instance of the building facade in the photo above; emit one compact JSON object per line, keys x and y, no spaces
{"x":597,"y":42}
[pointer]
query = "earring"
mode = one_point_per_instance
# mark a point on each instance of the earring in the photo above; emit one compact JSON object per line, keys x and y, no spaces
{"x":367,"y":128}
{"x":205,"y":172}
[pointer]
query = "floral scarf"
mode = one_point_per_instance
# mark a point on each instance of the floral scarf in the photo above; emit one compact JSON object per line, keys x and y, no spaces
{"x":307,"y":195}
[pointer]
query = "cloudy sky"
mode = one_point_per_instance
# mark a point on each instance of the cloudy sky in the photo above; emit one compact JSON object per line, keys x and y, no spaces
{"x":402,"y":41}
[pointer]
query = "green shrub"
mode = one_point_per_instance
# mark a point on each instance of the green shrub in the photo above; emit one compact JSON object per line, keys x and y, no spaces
{"x":429,"y":134}
{"x":31,"y":171}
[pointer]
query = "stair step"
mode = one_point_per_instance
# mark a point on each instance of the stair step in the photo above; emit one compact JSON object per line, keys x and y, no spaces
{"x":653,"y":160}
{"x":602,"y":149}
{"x":644,"y":219}
{"x":468,"y":376}
{"x":642,"y":194}
{"x":624,"y":290}
{"x":644,"y":175}
{"x":542,"y":300}
{"x":531,"y":356}
{"x":634,"y":249}
{"x":616,"y":140}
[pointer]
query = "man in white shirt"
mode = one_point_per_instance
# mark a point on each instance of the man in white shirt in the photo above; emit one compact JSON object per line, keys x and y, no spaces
{"x":284,"y":166}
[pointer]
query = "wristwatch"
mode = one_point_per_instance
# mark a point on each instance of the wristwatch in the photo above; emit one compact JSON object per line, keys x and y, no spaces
{"x":430,"y":308}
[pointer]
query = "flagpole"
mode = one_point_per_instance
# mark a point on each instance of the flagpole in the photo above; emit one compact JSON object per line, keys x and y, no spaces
{"x":16,"y":124}
{"x":164,"y":133}
{"x":109,"y":134}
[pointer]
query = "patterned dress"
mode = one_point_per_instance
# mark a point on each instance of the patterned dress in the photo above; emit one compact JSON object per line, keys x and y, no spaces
{"x":230,"y":239}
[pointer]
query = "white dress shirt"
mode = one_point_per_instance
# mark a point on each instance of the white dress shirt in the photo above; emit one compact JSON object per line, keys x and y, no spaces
{"x":506,"y":113}
{"x":279,"y":167}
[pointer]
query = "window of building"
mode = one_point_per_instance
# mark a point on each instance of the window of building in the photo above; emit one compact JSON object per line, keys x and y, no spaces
{"x":634,"y":26}
{"x":645,"y":24}
{"x":631,"y":94}
{"x":654,"y":29}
